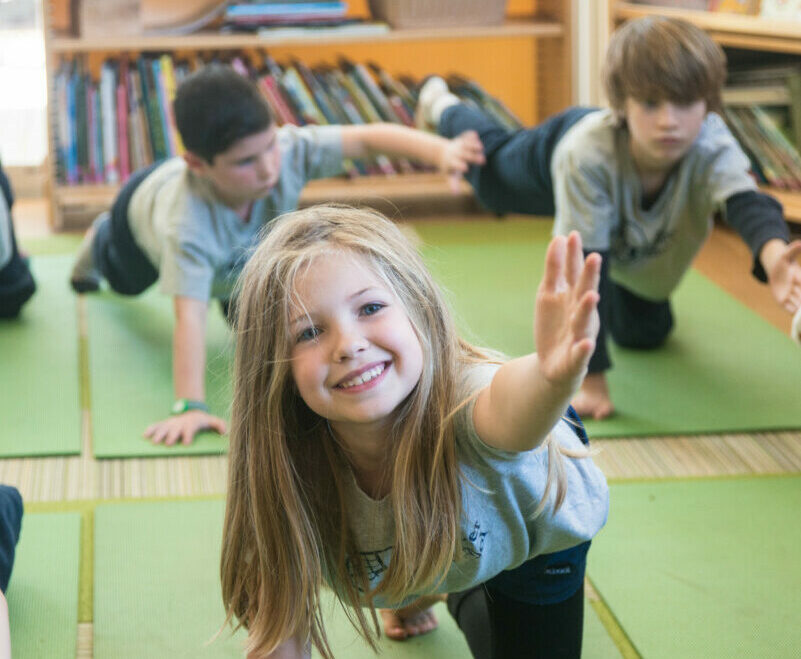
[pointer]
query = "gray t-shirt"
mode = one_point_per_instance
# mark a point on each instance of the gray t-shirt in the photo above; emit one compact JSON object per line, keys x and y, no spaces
{"x":500,"y":491}
{"x":598,"y":193}
{"x":197,"y":243}
{"x":6,"y":251}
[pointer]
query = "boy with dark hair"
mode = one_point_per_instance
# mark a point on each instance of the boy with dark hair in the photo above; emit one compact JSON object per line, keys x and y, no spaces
{"x":190,"y":222}
{"x":640,"y":181}
{"x":16,"y":282}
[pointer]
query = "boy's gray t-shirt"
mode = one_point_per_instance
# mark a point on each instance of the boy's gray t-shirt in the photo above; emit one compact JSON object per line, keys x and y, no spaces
{"x":6,"y":250}
{"x":198,"y":244}
{"x":500,"y":492}
{"x":598,"y":193}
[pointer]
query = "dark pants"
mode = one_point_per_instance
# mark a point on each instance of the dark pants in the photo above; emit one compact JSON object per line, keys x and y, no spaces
{"x":516,"y":177}
{"x":114,"y":250}
{"x":633,"y":321}
{"x":10,"y":525}
{"x":535,"y":610}
{"x":16,"y":281}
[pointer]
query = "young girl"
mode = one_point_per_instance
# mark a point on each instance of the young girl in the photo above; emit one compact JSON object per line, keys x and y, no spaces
{"x":375,"y":452}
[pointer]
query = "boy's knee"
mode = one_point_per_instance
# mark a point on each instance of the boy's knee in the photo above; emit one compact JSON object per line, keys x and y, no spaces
{"x":643,"y":335}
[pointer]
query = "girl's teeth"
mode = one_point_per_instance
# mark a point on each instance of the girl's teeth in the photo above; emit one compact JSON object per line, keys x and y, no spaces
{"x":364,"y":377}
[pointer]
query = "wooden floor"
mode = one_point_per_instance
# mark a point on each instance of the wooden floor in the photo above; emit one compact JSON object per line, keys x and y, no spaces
{"x":724,"y":259}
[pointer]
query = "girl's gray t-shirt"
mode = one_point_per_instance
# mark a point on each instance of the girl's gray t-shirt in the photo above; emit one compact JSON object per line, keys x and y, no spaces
{"x":500,"y":492}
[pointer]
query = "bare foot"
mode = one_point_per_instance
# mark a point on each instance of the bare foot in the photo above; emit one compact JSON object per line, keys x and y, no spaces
{"x":593,"y":399}
{"x":413,"y":620}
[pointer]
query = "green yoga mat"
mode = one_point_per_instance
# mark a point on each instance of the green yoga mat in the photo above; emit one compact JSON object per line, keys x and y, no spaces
{"x":130,"y":367}
{"x":157,"y":592}
{"x":723,"y":369}
{"x":704,"y":568}
{"x":43,"y":592}
{"x":39,"y":375}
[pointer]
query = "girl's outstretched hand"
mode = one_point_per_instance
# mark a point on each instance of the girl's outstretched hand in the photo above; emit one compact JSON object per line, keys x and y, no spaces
{"x":565,"y":315}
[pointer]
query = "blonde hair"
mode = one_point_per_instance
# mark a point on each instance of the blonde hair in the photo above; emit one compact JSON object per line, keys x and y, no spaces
{"x":657,"y":58}
{"x":286,"y":530}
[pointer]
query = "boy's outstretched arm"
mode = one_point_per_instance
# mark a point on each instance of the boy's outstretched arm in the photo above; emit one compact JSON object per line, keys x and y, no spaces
{"x":189,"y":375}
{"x":450,"y":156}
{"x":780,"y":262}
{"x":528,"y":395}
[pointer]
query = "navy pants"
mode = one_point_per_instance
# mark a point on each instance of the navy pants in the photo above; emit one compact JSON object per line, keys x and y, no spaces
{"x":16,"y":281}
{"x":533,"y":611}
{"x":10,"y":524}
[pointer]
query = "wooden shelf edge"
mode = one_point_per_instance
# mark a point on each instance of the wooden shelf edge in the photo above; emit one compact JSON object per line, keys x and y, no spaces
{"x":781,"y":33}
{"x":417,"y":194}
{"x":790,"y":200}
{"x":217,"y":41}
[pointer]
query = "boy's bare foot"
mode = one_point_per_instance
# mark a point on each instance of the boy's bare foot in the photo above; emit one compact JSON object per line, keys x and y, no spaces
{"x":593,"y":399}
{"x":413,"y":620}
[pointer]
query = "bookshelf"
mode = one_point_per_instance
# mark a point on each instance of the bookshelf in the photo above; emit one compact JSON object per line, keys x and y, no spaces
{"x":526,"y":62}
{"x":749,"y":33}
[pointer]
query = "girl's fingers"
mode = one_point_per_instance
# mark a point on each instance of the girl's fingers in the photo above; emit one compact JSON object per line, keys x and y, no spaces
{"x":582,"y":322}
{"x":554,"y":264}
{"x":575,"y":258}
{"x":590,"y":274}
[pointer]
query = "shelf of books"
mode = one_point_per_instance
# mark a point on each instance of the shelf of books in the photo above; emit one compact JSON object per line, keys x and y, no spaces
{"x":761,"y":101}
{"x":728,"y":29}
{"x":110,"y":92}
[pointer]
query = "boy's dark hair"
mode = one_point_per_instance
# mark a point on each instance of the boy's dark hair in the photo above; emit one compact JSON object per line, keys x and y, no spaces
{"x":216,"y":106}
{"x":656,"y":58}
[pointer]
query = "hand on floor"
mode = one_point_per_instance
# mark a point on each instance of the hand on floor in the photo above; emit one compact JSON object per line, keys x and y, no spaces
{"x":184,"y":427}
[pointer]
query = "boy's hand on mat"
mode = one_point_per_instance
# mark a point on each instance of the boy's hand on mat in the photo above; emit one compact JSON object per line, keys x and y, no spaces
{"x":459,"y":153}
{"x":784,"y":273}
{"x":184,"y":427}
{"x":566,"y":316}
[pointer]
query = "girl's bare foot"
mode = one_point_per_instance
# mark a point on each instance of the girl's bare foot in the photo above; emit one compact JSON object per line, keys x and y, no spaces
{"x":593,"y":399}
{"x":413,"y":620}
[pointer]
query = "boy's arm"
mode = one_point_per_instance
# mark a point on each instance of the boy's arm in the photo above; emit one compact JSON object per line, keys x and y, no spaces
{"x":528,"y":395}
{"x":450,"y":156}
{"x":780,"y":261}
{"x":759,"y":220}
{"x":189,"y":373}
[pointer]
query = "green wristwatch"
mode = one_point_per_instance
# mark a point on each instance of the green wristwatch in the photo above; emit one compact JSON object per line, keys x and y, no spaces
{"x":185,"y":404}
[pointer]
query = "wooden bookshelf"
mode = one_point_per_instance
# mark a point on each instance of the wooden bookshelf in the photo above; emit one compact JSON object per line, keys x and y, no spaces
{"x":421,"y":193}
{"x":216,"y":41}
{"x":750,"y":33}
{"x":526,"y":62}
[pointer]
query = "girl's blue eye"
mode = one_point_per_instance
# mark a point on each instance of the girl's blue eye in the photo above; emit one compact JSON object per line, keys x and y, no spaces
{"x":309,"y":334}
{"x":371,"y":308}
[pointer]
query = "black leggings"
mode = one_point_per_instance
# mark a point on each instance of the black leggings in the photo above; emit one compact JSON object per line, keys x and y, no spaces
{"x":499,"y":627}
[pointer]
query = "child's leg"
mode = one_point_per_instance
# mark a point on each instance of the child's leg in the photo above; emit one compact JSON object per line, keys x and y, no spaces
{"x":506,"y":183}
{"x":10,"y":523}
{"x":635,"y":322}
{"x":497,"y":626}
{"x":16,"y":282}
{"x":111,"y":250}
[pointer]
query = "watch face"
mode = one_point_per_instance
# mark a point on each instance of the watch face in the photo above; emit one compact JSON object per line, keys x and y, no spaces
{"x":179,"y":406}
